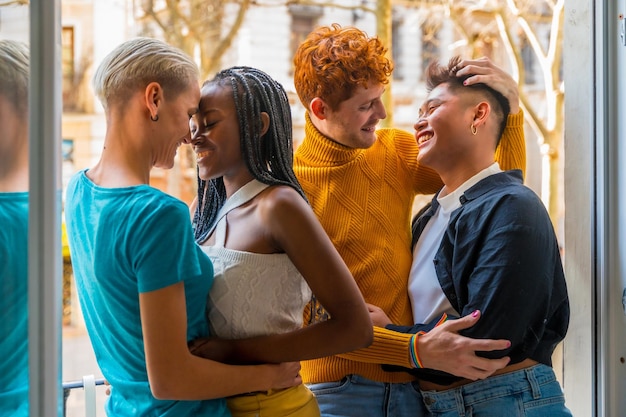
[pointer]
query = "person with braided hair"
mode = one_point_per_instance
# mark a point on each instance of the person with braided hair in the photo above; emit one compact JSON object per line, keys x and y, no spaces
{"x":269,"y":251}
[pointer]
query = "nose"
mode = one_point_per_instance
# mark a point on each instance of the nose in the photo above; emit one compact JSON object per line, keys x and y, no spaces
{"x":380,"y":109}
{"x":193,"y":137}
{"x":420,"y":124}
{"x":188,"y":139}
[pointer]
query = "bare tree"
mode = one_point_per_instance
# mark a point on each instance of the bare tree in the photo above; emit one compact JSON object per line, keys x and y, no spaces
{"x":526,"y":32}
{"x":205,"y":29}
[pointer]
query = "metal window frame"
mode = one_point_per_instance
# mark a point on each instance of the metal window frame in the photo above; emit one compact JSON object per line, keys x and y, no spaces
{"x":594,"y":56}
{"x":610,"y":131}
{"x":44,"y":237}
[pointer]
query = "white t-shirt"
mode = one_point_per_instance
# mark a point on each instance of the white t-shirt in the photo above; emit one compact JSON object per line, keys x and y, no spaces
{"x":427,"y":298}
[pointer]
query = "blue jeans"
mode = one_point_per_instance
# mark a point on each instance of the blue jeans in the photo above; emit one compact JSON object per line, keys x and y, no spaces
{"x":356,"y":396}
{"x":530,"y":392}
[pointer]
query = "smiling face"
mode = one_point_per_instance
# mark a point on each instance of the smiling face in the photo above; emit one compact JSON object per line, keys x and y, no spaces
{"x":172,"y":129}
{"x":353,"y":124}
{"x":215,"y":134}
{"x":443,"y":130}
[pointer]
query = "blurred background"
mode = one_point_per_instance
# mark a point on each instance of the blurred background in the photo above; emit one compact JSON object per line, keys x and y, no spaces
{"x":525,"y":37}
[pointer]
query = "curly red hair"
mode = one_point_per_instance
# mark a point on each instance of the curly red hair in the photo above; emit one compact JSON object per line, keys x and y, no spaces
{"x":333,"y":61}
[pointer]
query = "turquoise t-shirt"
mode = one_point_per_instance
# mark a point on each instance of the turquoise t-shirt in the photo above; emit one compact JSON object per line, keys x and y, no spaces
{"x":125,"y":241}
{"x":14,"y":304}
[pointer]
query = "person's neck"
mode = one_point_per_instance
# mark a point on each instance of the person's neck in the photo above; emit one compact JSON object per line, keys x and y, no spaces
{"x":14,"y":182}
{"x":14,"y":173}
{"x":234,"y":183}
{"x":122,"y":164}
{"x":459,"y":174}
{"x":320,"y":125}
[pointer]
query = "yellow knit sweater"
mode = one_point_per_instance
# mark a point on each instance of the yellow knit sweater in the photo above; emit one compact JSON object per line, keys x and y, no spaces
{"x":364,"y":200}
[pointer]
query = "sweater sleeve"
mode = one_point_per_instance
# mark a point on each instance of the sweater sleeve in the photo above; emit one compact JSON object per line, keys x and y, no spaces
{"x":511,"y":152}
{"x":389,"y":347}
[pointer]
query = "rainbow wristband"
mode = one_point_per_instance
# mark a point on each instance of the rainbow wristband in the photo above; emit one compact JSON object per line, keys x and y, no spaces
{"x":413,"y":353}
{"x":415,"y":359}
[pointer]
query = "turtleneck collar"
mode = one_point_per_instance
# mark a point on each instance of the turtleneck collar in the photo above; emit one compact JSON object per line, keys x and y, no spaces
{"x":319,"y":150}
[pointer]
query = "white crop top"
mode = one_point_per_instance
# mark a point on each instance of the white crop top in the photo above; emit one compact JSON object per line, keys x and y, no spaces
{"x":253,"y":294}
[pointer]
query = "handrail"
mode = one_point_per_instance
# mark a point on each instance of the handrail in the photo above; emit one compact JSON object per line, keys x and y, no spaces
{"x":88,"y":383}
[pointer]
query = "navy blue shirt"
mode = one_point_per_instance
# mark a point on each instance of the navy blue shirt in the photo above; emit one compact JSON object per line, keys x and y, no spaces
{"x":500,"y":255}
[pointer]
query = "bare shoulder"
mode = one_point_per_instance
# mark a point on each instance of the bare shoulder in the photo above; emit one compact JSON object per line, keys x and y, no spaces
{"x":281,"y":200}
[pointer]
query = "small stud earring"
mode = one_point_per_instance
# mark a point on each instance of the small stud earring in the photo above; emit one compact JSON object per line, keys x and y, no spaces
{"x":156,"y":118}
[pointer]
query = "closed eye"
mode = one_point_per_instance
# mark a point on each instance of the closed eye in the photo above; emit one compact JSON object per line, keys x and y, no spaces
{"x":428,"y":108}
{"x":204,"y":126}
{"x":432,"y":108}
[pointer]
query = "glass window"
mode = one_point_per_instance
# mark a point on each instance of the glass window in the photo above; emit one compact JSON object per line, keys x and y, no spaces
{"x":14,"y":211}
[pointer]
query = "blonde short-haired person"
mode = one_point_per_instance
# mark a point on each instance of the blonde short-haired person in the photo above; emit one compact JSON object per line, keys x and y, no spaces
{"x":142,"y":280}
{"x":14,"y":75}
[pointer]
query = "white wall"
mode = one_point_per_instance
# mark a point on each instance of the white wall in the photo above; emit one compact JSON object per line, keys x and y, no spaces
{"x":14,"y":23}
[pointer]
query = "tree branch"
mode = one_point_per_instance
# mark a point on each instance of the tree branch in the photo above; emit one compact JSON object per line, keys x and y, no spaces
{"x":232,"y":32}
{"x":323,"y":4}
{"x":17,"y":2}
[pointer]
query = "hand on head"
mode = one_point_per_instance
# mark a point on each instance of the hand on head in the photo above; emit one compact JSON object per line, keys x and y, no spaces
{"x":483,"y":70}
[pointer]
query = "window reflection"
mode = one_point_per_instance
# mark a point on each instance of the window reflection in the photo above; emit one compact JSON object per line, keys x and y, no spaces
{"x":14,"y":75}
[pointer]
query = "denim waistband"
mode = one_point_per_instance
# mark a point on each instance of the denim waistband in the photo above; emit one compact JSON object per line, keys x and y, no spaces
{"x":528,"y":379}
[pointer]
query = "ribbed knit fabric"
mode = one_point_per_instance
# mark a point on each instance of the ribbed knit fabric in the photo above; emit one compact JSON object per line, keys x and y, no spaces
{"x":364,"y":199}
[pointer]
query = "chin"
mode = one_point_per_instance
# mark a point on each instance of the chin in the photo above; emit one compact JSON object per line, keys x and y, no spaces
{"x":204,"y":175}
{"x":422,"y":159}
{"x":366,"y":142}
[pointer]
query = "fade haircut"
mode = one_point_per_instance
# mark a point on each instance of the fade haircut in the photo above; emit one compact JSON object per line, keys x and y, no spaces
{"x":14,"y":74}
{"x":333,"y":62}
{"x":269,"y":157}
{"x":134,"y":64}
{"x":437,"y":74}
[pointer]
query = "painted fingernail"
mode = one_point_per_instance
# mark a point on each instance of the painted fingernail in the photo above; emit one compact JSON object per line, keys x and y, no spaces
{"x":475,"y":313}
{"x":465,"y":82}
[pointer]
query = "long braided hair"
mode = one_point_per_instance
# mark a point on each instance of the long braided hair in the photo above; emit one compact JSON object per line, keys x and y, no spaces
{"x":269,"y":158}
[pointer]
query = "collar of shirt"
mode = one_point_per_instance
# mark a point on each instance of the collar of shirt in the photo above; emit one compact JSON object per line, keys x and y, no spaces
{"x":452,"y":201}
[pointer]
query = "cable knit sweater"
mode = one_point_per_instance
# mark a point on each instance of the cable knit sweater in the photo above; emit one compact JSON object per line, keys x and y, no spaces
{"x":364,"y":200}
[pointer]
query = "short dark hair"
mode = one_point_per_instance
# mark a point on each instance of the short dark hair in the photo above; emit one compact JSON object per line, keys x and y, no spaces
{"x":437,"y":74}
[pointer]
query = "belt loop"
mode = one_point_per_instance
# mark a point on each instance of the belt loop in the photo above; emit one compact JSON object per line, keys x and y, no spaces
{"x":534,"y":385}
{"x":460,"y":404}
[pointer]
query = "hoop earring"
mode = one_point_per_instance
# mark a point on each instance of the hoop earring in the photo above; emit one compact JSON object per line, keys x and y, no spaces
{"x":155,"y":118}
{"x":473,"y":129}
